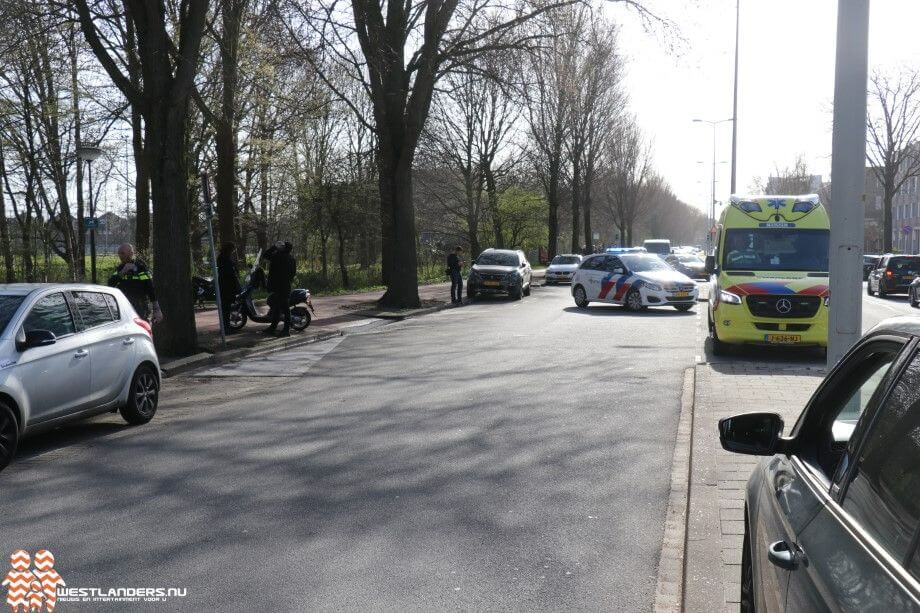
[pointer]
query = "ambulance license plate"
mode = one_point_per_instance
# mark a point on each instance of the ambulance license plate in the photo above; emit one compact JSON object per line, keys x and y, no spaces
{"x":783,"y":339}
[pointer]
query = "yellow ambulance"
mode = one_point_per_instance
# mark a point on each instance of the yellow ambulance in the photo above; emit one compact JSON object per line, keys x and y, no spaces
{"x":769,"y":273}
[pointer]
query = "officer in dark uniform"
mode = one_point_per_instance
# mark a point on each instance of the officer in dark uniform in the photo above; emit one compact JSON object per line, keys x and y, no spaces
{"x":280,"y":276}
{"x":133,"y":278}
{"x":229,"y":277}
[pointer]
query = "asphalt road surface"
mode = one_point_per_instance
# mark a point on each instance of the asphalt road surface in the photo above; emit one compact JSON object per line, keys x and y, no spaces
{"x":499,"y":456}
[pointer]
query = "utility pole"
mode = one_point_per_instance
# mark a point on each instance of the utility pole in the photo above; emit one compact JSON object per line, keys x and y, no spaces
{"x":735,"y":101}
{"x":712,"y":201}
{"x":848,"y":181}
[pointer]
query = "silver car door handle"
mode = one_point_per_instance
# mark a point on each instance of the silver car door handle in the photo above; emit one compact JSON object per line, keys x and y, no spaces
{"x":82,"y":353}
{"x":127,"y":341}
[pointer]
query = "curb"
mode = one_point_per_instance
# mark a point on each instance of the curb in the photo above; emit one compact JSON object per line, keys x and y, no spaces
{"x":200,"y":360}
{"x":669,"y":591}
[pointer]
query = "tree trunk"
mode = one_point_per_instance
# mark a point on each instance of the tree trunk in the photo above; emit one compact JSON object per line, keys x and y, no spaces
{"x":5,"y":246}
{"x":400,"y":261}
{"x":576,"y":202}
{"x":78,"y":136}
{"x":887,"y":225}
{"x":343,"y":269}
{"x":586,"y":208}
{"x":167,"y":158}
{"x":225,"y":139}
{"x":492,"y":194}
{"x":141,"y":186}
{"x":552,"y":198}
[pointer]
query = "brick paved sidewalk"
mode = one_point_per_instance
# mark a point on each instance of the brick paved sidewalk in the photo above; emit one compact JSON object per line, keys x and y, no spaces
{"x":715,"y":521}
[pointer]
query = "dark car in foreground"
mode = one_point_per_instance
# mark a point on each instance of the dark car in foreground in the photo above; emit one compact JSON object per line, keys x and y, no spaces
{"x":893,"y":275}
{"x":499,"y":271}
{"x":832,"y":514}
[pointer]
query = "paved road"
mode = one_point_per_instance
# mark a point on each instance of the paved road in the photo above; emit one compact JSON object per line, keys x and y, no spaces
{"x":503,"y":455}
{"x":876,"y":309}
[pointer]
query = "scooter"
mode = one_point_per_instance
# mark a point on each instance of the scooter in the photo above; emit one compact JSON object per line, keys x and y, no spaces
{"x":244,"y":309}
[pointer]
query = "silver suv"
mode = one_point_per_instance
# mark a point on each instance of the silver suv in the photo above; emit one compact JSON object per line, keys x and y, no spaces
{"x":68,"y":352}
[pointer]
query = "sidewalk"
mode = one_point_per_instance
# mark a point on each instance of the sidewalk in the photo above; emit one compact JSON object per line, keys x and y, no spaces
{"x":332,"y":315}
{"x":715,"y":523}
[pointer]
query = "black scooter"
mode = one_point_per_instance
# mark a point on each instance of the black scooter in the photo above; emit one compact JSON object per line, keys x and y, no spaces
{"x":244,"y":309}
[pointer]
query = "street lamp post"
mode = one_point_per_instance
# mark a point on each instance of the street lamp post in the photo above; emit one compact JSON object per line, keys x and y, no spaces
{"x":735,"y":100}
{"x":712,"y":200}
{"x":89,"y":154}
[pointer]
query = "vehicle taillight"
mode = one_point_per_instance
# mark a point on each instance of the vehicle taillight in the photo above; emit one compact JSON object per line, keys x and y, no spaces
{"x":143,"y":323}
{"x":889,"y":274}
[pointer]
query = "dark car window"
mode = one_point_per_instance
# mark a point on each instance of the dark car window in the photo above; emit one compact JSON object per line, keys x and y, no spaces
{"x":498,"y":258}
{"x":113,"y":306}
{"x":50,"y":313}
{"x":883,"y":494}
{"x":8,"y":307}
{"x":904,"y":266}
{"x":93,"y":309}
{"x":592,"y":263}
{"x":612,"y":263}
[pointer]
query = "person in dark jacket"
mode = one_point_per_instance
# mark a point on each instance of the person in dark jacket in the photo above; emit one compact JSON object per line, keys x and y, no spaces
{"x":454,"y":270}
{"x":282,"y":268}
{"x":133,"y":278}
{"x":228,"y":275}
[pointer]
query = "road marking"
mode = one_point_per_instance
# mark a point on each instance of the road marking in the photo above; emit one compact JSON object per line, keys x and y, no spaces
{"x":294,"y":362}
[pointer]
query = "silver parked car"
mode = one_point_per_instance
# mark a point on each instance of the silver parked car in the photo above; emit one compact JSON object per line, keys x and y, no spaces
{"x":562,"y":268}
{"x":832,"y":515}
{"x":500,"y":271}
{"x":69,"y":351}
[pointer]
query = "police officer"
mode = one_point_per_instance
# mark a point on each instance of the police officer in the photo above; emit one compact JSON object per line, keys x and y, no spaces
{"x":229,"y":277}
{"x":280,"y":276}
{"x":133,"y":278}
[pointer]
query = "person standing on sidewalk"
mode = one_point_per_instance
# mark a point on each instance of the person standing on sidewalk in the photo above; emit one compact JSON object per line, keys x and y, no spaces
{"x":228,"y":275}
{"x":133,"y":278}
{"x":454,"y":268}
{"x":280,"y":276}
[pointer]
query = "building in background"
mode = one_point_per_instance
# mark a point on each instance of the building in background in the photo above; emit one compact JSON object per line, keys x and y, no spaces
{"x":905,"y":218}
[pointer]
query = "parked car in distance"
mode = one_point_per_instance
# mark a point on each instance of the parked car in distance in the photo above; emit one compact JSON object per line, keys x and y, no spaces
{"x":561,"y":269}
{"x":500,"y":271}
{"x":893,"y":274}
{"x":69,"y":351}
{"x":690,"y":265}
{"x":661,"y":246}
{"x":870,"y":263}
{"x":832,"y":514}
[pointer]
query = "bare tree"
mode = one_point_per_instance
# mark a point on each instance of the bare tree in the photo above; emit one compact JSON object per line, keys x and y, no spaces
{"x":162,"y":98}
{"x":795,"y":179}
{"x":893,"y":127}
{"x":627,"y":172}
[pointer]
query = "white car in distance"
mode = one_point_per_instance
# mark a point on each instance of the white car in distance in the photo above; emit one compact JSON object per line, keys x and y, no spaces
{"x":562,"y":268}
{"x":69,"y":351}
{"x":634,"y":280}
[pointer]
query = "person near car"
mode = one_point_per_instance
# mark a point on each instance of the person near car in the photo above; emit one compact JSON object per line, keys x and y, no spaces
{"x":282,"y":268}
{"x":228,"y":276}
{"x":454,"y":268}
{"x":133,"y":278}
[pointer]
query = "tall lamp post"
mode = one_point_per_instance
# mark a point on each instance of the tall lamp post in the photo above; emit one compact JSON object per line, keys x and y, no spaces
{"x":712,"y":201}
{"x":89,"y":154}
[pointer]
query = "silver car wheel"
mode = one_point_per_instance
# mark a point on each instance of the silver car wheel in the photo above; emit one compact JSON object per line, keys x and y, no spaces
{"x":145,"y":394}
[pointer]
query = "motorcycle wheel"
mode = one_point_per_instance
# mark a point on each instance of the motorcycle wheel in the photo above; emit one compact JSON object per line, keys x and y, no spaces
{"x":236,"y":319}
{"x":300,"y":318}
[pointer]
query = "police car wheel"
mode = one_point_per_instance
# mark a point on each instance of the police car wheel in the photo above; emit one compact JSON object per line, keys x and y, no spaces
{"x":634,"y":300}
{"x":300,"y":318}
{"x":9,"y":435}
{"x":527,"y":290}
{"x":581,"y":298}
{"x":143,"y":396}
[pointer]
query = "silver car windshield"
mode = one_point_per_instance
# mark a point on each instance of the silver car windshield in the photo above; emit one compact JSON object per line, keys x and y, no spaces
{"x":8,"y":306}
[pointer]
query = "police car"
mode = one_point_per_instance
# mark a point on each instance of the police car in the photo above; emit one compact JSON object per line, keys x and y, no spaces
{"x":635,"y":280}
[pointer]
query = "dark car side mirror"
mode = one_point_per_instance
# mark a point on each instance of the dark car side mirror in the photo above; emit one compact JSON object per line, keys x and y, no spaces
{"x":34,"y":338}
{"x":710,"y":264}
{"x":751,"y":433}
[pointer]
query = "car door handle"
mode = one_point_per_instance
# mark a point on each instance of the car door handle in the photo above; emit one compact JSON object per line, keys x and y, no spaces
{"x":82,"y":353}
{"x":127,"y":341}
{"x":782,"y":555}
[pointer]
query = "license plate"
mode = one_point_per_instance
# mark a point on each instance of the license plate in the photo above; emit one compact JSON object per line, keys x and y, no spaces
{"x":491,"y":283}
{"x":783,"y":339}
{"x":681,"y":294}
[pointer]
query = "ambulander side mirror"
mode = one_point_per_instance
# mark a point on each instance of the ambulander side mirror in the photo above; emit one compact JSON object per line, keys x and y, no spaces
{"x":710,"y":264}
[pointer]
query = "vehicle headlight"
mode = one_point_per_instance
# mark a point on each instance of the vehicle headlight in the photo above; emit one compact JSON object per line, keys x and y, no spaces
{"x":653,"y":287}
{"x":729,"y":298}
